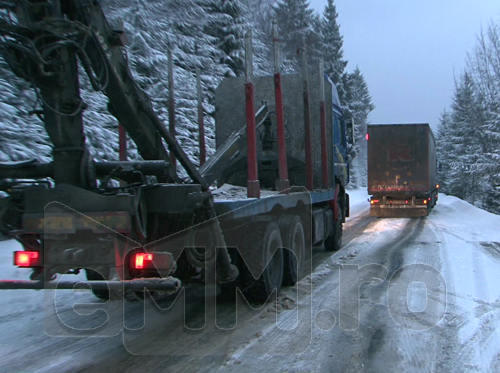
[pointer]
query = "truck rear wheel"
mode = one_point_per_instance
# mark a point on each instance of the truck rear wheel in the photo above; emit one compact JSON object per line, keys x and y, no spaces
{"x":294,"y":243}
{"x":93,"y":275}
{"x":334,"y":241}
{"x":263,"y":246}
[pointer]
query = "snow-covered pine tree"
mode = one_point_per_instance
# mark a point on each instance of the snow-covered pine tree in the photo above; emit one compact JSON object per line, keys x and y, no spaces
{"x":491,"y":156}
{"x":23,"y":135}
{"x":359,"y":105}
{"x":193,"y":29}
{"x":445,"y":149}
{"x":469,"y":136}
{"x":225,"y":23}
{"x":332,"y":43}
{"x":359,"y":100}
{"x":299,"y":26}
{"x":259,"y":15}
{"x":151,"y":28}
{"x":466,"y":116}
{"x":483,"y":65}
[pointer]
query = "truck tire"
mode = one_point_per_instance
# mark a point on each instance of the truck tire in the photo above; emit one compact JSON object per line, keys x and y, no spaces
{"x":263,"y":240}
{"x":334,"y":241}
{"x":294,"y":251}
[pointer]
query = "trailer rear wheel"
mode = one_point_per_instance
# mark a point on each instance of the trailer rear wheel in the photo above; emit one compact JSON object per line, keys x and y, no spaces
{"x":294,"y":243}
{"x":334,"y":241}
{"x":263,"y":245}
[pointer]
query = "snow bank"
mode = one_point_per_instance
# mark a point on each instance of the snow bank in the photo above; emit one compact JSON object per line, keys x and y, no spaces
{"x":466,"y":220}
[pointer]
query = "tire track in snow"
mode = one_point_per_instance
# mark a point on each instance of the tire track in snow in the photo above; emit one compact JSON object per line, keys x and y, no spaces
{"x":479,"y":352}
{"x":482,"y":344}
{"x":492,"y":249}
{"x":471,"y":319}
{"x":393,"y":347}
{"x":375,"y":347}
{"x":353,"y":229}
{"x":418,"y":349}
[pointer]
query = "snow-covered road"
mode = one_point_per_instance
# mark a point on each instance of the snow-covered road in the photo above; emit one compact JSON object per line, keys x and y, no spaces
{"x":401,"y":295}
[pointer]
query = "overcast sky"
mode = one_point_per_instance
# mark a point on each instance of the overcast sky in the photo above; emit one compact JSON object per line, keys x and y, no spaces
{"x":410,"y":50}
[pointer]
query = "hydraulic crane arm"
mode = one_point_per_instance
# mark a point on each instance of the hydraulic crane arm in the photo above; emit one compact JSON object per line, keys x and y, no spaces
{"x":230,"y":149}
{"x":43,"y":47}
{"x":102,"y":53}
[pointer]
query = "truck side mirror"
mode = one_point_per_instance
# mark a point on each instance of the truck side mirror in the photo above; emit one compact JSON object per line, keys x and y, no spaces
{"x":350,"y":132}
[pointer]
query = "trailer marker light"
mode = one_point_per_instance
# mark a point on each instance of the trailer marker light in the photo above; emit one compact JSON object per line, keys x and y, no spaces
{"x":26,"y":258}
{"x":406,"y":201}
{"x":140,"y":260}
{"x":367,"y":137}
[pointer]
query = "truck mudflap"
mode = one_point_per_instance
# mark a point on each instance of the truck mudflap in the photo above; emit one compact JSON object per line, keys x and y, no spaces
{"x":168,"y":284}
{"x":398,"y":211}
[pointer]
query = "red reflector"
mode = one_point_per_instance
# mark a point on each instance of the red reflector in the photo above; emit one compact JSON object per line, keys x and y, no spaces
{"x":141,"y":259}
{"x":367,"y":137}
{"x":406,"y":201}
{"x":26,"y":258}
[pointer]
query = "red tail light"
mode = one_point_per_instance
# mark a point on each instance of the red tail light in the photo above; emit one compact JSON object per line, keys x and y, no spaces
{"x":373,"y":201}
{"x":425,"y":202}
{"x":142,"y":260}
{"x":27,"y":259}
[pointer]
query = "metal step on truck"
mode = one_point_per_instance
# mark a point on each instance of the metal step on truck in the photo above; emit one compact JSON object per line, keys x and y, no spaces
{"x":275,"y":186}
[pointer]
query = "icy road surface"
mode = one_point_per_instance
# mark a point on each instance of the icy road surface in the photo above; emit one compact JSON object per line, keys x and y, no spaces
{"x":401,"y":295}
